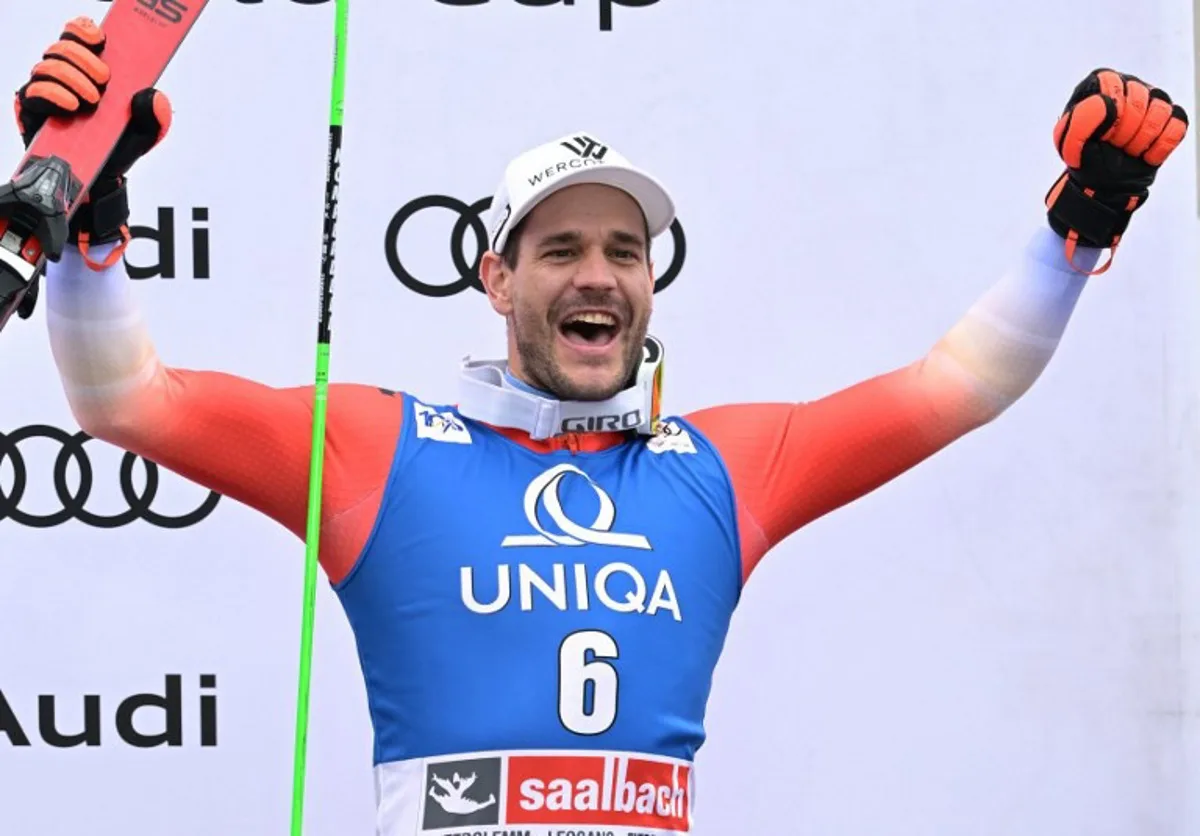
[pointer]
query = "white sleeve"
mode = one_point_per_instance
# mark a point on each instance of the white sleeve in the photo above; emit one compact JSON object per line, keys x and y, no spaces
{"x":1006,"y":339}
{"x":98,"y":338}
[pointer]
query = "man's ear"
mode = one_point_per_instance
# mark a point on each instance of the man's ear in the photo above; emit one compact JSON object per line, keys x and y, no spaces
{"x":497,"y":282}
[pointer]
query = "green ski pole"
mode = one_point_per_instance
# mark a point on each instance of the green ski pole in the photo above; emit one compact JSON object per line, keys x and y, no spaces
{"x":320,"y":403}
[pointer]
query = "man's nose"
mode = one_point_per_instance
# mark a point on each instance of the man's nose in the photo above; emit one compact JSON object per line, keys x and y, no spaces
{"x":595,"y":271}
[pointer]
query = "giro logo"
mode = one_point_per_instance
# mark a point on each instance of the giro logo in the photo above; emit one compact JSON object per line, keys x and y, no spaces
{"x":606,"y":6}
{"x":543,"y":492}
{"x":15,"y":481}
{"x":604,"y":423}
{"x":466,"y":260}
{"x":144,"y":721}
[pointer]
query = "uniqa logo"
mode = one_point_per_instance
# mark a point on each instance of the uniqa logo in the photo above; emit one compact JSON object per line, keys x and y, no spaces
{"x":543,"y":493}
{"x":577,"y":595}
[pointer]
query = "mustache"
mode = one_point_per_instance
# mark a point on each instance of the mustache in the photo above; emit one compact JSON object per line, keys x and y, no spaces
{"x":601,"y":300}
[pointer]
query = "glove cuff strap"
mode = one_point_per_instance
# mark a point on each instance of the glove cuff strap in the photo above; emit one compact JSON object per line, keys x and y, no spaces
{"x":102,"y":217}
{"x":1094,"y":220}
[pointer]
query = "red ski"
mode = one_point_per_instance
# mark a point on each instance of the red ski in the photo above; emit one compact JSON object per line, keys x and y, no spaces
{"x":66,"y":156}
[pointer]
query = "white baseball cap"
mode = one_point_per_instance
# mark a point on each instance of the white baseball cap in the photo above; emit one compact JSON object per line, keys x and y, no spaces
{"x":577,"y":158}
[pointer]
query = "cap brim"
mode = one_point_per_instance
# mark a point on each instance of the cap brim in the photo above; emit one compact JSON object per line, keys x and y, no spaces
{"x":650,"y":194}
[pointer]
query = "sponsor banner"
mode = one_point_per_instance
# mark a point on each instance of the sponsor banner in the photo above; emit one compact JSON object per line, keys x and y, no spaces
{"x":532,"y":793}
{"x":144,"y":721}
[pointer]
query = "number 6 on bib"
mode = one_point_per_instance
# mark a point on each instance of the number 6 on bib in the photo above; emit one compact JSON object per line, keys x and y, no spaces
{"x":587,"y":685}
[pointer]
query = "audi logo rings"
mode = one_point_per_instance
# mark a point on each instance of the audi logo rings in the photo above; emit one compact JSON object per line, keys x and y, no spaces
{"x":73,"y":502}
{"x":470,"y":216}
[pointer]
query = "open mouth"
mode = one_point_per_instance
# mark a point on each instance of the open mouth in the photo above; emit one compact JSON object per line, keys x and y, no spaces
{"x":590,"y":329}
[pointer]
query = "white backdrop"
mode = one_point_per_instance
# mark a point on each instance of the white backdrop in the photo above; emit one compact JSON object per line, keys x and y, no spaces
{"x":1001,"y":642}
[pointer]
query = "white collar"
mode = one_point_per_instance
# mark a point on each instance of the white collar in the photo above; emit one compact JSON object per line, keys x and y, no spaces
{"x":484,"y":395}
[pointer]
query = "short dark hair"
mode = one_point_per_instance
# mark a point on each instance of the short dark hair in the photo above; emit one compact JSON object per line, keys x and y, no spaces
{"x":512,"y":247}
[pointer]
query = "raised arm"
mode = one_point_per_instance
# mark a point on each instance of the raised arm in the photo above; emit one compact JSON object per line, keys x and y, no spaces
{"x":247,"y":441}
{"x":793,"y":462}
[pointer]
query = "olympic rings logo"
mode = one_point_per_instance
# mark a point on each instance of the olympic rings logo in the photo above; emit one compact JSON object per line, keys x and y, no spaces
{"x":470,"y":216}
{"x":73,"y":501}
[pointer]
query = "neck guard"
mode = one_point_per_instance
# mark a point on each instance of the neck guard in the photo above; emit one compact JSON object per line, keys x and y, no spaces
{"x":485,"y":396}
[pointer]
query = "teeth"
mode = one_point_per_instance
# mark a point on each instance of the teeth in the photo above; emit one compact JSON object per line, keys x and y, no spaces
{"x":595,"y":319}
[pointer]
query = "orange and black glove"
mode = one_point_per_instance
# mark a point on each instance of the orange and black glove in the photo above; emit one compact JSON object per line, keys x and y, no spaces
{"x":68,"y":82}
{"x":1114,"y":134}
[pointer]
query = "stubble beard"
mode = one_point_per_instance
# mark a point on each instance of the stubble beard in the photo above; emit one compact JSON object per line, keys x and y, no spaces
{"x":535,"y":340}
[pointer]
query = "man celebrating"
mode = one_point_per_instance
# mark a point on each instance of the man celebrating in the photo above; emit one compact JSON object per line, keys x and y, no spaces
{"x":596,"y":548}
